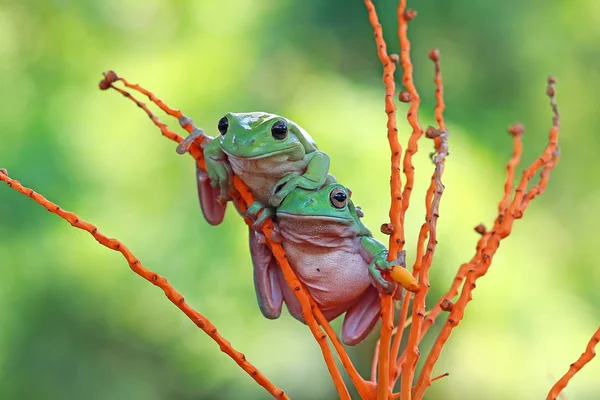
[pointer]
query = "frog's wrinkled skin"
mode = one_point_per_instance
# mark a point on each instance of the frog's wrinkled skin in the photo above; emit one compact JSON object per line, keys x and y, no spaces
{"x":269,"y":153}
{"x":334,"y":255}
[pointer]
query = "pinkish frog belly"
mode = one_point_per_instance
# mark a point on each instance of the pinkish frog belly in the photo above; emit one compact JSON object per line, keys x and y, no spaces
{"x":335,"y":276}
{"x":262,"y":174}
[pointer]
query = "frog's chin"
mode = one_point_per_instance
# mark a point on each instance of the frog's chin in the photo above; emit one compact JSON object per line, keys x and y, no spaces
{"x":259,"y":156}
{"x":314,"y":217}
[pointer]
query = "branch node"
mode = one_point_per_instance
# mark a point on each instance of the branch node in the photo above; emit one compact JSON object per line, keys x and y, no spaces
{"x":434,"y":55}
{"x":480,"y":229}
{"x":404,"y":96}
{"x":516,"y":129}
{"x":409,"y":14}
{"x":387,"y":228}
{"x":447,"y":305}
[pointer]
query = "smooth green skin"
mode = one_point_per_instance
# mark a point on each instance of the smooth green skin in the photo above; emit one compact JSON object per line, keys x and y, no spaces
{"x":318,"y":203}
{"x":249,"y":137}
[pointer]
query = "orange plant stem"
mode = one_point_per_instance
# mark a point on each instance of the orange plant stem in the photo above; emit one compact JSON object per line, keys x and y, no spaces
{"x":412,"y":116}
{"x":585,"y":358}
{"x":432,"y":200}
{"x":501,"y":229}
{"x":418,"y":311}
{"x":397,"y":237}
{"x":245,"y":197}
{"x":136,"y":266}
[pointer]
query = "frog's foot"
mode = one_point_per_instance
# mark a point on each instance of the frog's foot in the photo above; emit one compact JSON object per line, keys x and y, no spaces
{"x":185,"y":144}
{"x":378,"y":265}
{"x":253,"y":212}
{"x":361,"y":317}
{"x":285,"y":185}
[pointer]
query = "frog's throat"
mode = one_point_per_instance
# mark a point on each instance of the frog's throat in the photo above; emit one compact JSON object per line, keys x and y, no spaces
{"x":258,"y":157}
{"x":317,"y":217}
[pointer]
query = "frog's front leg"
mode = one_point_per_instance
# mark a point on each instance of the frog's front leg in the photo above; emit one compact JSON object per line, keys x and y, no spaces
{"x":218,"y":169}
{"x":253,"y":211}
{"x":375,"y":253}
{"x":361,"y":317}
{"x":314,"y":177}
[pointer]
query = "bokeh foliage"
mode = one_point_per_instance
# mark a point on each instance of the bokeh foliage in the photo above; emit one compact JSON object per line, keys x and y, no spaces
{"x":76,"y":323}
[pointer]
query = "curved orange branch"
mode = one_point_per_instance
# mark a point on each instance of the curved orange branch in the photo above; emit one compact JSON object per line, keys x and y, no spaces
{"x":136,"y":266}
{"x":501,"y":229}
{"x":585,"y":358}
{"x":243,"y":197}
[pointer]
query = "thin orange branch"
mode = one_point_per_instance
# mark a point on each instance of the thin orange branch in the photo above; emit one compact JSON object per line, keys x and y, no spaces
{"x":404,"y":16}
{"x":423,"y":263}
{"x":136,"y":266}
{"x":243,"y":198}
{"x":397,"y":229}
{"x":501,"y":229}
{"x":418,"y":312}
{"x":423,"y":233}
{"x":585,"y":358}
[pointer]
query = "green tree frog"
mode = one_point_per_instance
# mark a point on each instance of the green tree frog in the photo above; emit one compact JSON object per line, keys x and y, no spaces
{"x":334,"y":255}
{"x":269,"y":153}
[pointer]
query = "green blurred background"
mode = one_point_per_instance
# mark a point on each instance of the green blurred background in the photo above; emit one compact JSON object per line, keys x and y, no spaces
{"x":76,"y":323}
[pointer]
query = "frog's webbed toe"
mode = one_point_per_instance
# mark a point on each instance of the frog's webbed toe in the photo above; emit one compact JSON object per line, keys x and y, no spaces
{"x":361,"y":317}
{"x":212,"y":208}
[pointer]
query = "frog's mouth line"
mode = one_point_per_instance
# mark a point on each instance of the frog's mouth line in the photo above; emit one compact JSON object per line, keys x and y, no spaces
{"x":314,"y":216}
{"x":265,"y":155}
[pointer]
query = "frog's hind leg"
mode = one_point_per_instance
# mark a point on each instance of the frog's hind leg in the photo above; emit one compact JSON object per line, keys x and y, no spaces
{"x":290,"y":299}
{"x":361,"y":317}
{"x":266,"y":278}
{"x":213,"y":210}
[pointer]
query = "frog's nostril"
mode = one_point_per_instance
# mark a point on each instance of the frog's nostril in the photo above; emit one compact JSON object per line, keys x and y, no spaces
{"x":251,"y":142}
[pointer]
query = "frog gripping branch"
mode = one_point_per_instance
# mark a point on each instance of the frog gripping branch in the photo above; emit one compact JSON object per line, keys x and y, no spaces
{"x":269,"y":153}
{"x":270,"y":168}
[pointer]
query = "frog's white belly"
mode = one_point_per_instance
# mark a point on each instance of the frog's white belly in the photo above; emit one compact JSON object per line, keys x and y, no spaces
{"x":333,"y":275}
{"x":261,"y":174}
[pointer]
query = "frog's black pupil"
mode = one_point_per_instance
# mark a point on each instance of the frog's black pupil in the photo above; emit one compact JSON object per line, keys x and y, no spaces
{"x":279,"y":130}
{"x":223,"y":125}
{"x":340,"y":197}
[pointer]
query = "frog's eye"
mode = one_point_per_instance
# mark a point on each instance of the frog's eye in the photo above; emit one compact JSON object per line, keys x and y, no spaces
{"x":338,"y":198}
{"x":223,"y":125}
{"x":279,"y":130}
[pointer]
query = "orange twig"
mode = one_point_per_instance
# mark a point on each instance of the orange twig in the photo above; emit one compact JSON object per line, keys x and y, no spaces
{"x":445,"y":374}
{"x":516,"y":130}
{"x":585,"y":358}
{"x":136,"y":266}
{"x":244,"y":197}
{"x":418,"y":311}
{"x":397,"y":235}
{"x":501,"y":229}
{"x":405,"y":15}
{"x":429,"y":197}
{"x":432,"y":200}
